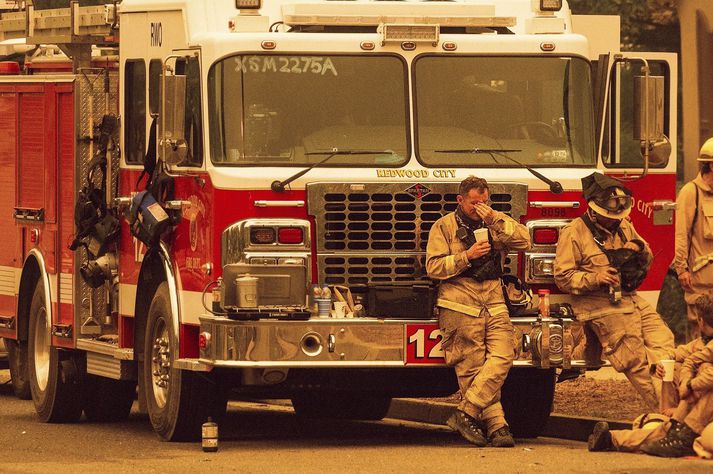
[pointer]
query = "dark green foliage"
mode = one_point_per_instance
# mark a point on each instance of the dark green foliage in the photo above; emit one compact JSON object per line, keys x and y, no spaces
{"x":650,"y":25}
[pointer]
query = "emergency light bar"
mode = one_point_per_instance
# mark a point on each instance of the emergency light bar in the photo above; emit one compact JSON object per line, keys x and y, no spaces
{"x":413,"y":33}
{"x":248,"y":4}
{"x":402,"y":13}
{"x":550,"y":5}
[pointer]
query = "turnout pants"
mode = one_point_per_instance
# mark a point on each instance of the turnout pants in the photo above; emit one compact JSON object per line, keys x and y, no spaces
{"x":623,"y":345}
{"x":631,"y":342}
{"x":631,"y":440}
{"x":481,"y":349}
{"x":696,"y":415}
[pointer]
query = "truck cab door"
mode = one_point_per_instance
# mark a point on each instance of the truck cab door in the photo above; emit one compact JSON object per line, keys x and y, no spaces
{"x":620,"y":151}
{"x":181,"y":148}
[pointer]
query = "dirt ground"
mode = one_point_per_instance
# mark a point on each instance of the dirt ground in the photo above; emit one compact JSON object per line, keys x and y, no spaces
{"x":606,"y":399}
{"x":609,"y":399}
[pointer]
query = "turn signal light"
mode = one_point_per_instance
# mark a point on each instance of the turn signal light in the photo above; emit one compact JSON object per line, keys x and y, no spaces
{"x":290,"y":235}
{"x":262,"y":235}
{"x":204,"y":340}
{"x":545,"y":236}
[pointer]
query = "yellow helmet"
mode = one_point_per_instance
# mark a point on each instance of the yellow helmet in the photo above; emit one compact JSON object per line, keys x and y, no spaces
{"x":706,"y":153}
{"x":649,"y":421}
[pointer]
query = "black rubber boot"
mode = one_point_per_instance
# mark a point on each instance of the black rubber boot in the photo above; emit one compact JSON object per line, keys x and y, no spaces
{"x":470,"y":428}
{"x":677,"y":443}
{"x":502,"y":438}
{"x":600,"y":439}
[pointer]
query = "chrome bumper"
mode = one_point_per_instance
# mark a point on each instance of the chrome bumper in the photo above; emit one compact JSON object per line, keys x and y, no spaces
{"x":362,"y":342}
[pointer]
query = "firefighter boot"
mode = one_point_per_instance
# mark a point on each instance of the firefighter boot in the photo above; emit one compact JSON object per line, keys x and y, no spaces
{"x":468,"y":427}
{"x":677,"y":443}
{"x":600,"y":439}
{"x":502,"y":438}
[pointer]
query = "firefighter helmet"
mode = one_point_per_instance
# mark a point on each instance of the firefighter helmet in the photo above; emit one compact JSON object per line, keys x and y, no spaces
{"x":606,"y":196}
{"x":706,"y":153}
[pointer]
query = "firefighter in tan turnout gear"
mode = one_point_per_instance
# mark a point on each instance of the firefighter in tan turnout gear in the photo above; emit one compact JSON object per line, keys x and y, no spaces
{"x":694,"y":235}
{"x":690,"y":408}
{"x":601,"y":260}
{"x":465,"y":253}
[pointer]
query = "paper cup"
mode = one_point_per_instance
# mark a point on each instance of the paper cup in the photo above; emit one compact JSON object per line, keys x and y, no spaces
{"x":668,"y":367}
{"x":481,"y":235}
{"x":340,"y":309}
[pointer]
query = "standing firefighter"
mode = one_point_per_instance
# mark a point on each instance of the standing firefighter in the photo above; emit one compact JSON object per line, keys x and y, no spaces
{"x":602,"y":260}
{"x":472,"y":315}
{"x":694,"y":235}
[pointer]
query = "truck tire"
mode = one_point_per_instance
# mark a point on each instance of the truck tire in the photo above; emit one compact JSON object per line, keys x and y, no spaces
{"x":344,"y":406}
{"x":107,"y":399}
{"x":17,"y":360}
{"x":55,"y":380}
{"x":178,"y":401}
{"x":527,"y":398}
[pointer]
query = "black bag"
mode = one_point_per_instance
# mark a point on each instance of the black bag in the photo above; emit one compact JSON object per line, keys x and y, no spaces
{"x":517,"y":295}
{"x":147,"y":218}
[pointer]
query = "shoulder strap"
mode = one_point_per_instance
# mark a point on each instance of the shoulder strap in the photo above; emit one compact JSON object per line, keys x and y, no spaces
{"x":693,"y":222}
{"x":695,"y":213}
{"x":598,"y":237}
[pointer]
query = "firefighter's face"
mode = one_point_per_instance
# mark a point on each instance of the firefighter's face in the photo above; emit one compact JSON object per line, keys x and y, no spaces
{"x":472,"y":200}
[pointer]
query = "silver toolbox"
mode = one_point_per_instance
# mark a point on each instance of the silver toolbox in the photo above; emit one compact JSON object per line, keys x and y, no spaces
{"x":278,"y":285}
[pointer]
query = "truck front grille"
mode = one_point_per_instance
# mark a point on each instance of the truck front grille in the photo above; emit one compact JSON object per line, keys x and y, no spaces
{"x":378,"y":232}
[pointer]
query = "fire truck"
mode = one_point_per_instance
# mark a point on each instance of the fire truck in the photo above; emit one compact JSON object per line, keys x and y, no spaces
{"x":177,"y":192}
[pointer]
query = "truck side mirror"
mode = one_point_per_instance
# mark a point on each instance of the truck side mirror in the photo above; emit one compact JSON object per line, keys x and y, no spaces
{"x":649,"y":119}
{"x":174,"y":148}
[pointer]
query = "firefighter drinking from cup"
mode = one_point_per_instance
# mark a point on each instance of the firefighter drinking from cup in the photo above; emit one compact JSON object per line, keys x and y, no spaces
{"x":601,"y":260}
{"x":688,"y":410}
{"x":465,"y":253}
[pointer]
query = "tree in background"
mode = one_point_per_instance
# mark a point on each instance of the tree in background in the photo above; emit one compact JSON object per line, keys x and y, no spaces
{"x":645,"y":24}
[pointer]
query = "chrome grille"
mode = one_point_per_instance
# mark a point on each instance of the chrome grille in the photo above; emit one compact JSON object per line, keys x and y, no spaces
{"x":377,"y":232}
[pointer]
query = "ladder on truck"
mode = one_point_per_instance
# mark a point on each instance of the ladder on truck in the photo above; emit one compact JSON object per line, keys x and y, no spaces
{"x":74,"y":29}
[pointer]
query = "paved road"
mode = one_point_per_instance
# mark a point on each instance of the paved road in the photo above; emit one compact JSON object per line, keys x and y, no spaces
{"x":260,"y":438}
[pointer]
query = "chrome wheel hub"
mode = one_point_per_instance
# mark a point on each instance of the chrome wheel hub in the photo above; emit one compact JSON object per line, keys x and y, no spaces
{"x":42,"y":349}
{"x":160,"y":362}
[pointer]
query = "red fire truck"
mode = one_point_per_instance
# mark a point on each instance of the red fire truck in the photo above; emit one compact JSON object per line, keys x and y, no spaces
{"x":175,"y":197}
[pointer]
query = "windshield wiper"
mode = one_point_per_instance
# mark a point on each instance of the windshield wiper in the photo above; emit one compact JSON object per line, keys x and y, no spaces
{"x":555,"y":186}
{"x":279,"y":186}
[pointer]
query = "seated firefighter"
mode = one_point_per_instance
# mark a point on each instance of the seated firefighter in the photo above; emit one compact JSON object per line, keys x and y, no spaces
{"x":692,"y":413}
{"x":601,"y":260}
{"x":465,"y":253}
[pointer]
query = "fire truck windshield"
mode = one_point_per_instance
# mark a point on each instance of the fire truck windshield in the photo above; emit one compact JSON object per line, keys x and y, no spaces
{"x":540,"y":106}
{"x":278,"y":110}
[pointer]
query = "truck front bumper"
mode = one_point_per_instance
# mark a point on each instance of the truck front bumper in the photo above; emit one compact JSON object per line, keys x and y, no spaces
{"x":360,"y":342}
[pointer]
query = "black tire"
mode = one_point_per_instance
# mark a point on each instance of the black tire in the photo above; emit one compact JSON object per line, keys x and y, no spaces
{"x":107,"y":399}
{"x":344,"y":406}
{"x":527,"y":398}
{"x":17,"y":361}
{"x":55,"y":378}
{"x":178,"y":401}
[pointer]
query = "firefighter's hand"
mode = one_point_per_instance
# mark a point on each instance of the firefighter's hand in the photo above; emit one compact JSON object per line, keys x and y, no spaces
{"x":660,"y":371}
{"x":685,"y":280}
{"x":485,"y":212}
{"x":668,"y":412}
{"x":478,"y":249}
{"x":608,"y":276}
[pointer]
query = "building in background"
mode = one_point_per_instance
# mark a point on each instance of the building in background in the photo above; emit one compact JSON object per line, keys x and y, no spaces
{"x":697,"y":77}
